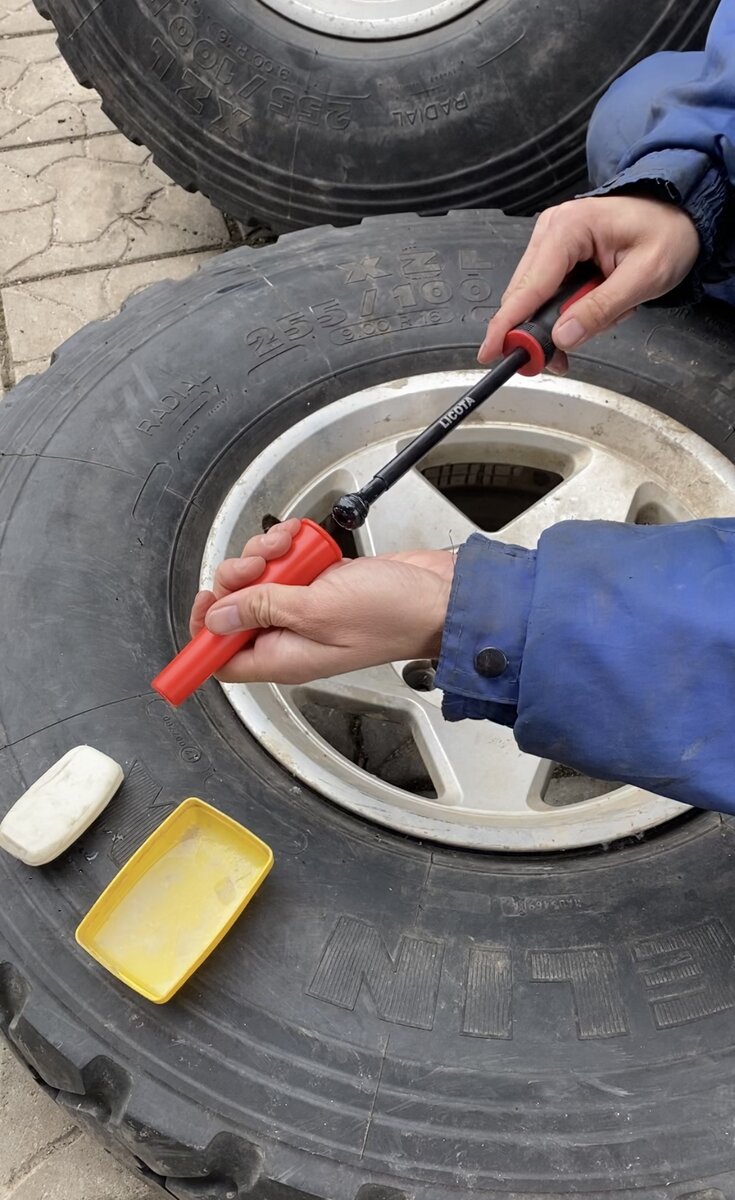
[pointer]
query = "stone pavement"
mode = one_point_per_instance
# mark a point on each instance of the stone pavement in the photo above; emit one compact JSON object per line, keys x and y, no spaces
{"x":43,"y":1156}
{"x":86,"y":219}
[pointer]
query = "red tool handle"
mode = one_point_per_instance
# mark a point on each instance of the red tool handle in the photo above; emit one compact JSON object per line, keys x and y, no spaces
{"x":534,"y":336}
{"x":312,"y":551}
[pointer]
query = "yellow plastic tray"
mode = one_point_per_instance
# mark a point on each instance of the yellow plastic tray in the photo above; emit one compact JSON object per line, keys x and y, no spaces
{"x":175,"y":899}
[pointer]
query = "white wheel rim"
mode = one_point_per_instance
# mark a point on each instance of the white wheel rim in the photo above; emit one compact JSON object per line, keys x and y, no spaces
{"x":371,"y":20}
{"x":615,"y":456}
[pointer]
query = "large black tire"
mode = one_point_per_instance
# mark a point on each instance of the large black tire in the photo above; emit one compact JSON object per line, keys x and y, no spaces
{"x":391,"y":1020}
{"x":297,"y":128}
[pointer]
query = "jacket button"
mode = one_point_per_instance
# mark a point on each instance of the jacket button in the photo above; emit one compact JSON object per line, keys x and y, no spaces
{"x":490,"y":662}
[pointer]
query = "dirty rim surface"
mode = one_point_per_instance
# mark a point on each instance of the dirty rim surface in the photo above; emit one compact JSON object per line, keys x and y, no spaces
{"x":541,"y":451}
{"x":371,"y":20}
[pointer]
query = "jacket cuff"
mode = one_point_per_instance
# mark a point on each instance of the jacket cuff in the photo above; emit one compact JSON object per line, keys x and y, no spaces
{"x":489,"y":606}
{"x":688,"y":179}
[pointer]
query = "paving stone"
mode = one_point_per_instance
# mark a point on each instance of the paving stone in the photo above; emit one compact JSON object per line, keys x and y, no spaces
{"x":42,"y":314}
{"x":40,"y":100}
{"x":20,"y":16}
{"x":95,"y":1173}
{"x":34,"y":367}
{"x":29,"y":1120}
{"x":95,"y":203}
{"x":44,"y":1156}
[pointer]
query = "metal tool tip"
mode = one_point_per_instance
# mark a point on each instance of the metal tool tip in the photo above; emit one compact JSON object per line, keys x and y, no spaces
{"x":350,"y":512}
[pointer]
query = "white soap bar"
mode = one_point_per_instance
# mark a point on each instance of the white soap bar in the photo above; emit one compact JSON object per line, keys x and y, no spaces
{"x":60,"y":805}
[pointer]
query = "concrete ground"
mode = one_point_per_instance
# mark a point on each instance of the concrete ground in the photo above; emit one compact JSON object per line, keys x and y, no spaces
{"x":43,"y":1156}
{"x":86,"y":219}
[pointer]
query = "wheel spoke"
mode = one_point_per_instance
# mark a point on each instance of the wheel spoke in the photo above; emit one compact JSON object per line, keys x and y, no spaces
{"x":474,"y":765}
{"x":373,"y":687}
{"x":602,"y":488}
{"x":478,"y":767}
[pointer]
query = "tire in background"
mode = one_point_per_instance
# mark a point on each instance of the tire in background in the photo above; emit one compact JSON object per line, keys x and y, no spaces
{"x":297,"y":128}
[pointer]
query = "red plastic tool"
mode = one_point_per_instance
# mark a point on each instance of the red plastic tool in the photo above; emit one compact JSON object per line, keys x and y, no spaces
{"x":312,"y":551}
{"x":534,"y":336}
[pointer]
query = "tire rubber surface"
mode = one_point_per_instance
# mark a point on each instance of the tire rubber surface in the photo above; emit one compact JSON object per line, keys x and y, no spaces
{"x":390,"y":1020}
{"x":298,"y":128}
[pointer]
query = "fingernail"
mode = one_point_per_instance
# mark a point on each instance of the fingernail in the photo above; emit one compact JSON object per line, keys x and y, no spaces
{"x":224,"y":620}
{"x":482,"y":352}
{"x":570,"y":334}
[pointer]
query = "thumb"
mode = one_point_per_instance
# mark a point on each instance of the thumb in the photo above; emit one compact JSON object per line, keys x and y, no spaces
{"x":264,"y":606}
{"x":622,"y":291}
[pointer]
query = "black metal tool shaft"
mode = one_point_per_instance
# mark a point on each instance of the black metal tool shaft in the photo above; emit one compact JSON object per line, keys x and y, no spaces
{"x":528,"y":348}
{"x":350,"y":512}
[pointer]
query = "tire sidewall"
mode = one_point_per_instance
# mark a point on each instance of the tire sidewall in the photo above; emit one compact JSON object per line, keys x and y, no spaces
{"x":534,"y":975}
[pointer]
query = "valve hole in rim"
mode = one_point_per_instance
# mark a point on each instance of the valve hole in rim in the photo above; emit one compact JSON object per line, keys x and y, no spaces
{"x":420,"y":675}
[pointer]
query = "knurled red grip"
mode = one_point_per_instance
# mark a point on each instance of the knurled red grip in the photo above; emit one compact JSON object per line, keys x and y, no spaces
{"x":312,"y":551}
{"x":534,"y":336}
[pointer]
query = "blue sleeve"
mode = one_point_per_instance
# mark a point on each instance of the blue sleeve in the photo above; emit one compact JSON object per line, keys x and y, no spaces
{"x":619,"y":642}
{"x":668,"y":126}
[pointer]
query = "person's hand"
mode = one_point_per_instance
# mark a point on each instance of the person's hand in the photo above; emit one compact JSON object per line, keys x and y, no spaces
{"x":358,"y":613}
{"x":643,"y":247}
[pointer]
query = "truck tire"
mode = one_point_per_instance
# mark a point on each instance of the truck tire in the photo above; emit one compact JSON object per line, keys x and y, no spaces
{"x":273,"y":119}
{"x":392,"y":1019}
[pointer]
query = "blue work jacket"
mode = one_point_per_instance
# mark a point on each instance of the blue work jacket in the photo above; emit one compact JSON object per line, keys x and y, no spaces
{"x":611,"y":648}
